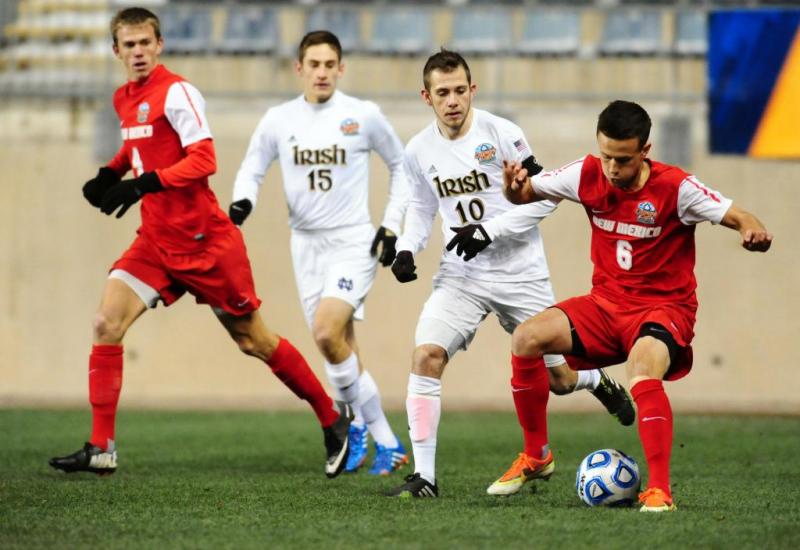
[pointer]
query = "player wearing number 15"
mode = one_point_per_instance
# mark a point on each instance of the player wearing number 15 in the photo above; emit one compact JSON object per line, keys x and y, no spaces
{"x":323,"y":140}
{"x":185,"y":244}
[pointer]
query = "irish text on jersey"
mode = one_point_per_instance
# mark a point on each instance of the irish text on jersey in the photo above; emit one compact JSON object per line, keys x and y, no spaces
{"x":330,"y":155}
{"x":471,"y":183}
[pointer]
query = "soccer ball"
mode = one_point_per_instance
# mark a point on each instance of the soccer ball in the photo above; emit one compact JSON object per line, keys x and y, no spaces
{"x":608,"y":477}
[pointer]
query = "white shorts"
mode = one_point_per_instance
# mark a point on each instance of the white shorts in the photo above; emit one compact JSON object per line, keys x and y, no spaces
{"x":456,"y":307}
{"x":333,"y":263}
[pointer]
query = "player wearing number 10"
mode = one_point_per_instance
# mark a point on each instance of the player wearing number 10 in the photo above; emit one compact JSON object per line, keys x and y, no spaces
{"x":185,"y":244}
{"x":323,"y":140}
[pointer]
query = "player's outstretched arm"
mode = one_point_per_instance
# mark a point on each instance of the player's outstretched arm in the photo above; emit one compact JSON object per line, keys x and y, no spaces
{"x":516,"y":183}
{"x":755,"y":236}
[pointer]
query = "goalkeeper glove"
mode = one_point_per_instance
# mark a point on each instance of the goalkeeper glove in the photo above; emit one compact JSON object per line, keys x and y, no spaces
{"x":128,"y":192}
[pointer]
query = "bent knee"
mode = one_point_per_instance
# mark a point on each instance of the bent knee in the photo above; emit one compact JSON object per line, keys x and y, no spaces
{"x":328,"y":339}
{"x":527,"y":340}
{"x":107,"y":329}
{"x":562,"y":380}
{"x":429,"y":360}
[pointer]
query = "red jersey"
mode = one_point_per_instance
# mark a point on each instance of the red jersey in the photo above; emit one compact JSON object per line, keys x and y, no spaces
{"x":643,"y":241}
{"x":160,"y":117}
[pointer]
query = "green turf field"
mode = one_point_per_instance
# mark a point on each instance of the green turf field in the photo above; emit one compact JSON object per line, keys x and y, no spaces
{"x":233,"y":480}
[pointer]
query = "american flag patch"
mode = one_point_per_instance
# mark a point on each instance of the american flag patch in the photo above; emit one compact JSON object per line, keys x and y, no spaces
{"x":522,"y":147}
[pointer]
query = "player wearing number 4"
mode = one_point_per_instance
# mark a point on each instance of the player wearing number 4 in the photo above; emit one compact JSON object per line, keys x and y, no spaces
{"x":185,"y":244}
{"x":641,"y":309}
{"x":323,"y":140}
{"x":455,"y":167}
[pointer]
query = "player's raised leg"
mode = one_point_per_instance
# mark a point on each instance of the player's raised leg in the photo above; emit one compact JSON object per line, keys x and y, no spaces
{"x":334,"y":335}
{"x":547,"y":332}
{"x":648,"y":362}
{"x":119,"y":307}
{"x":255,"y":339}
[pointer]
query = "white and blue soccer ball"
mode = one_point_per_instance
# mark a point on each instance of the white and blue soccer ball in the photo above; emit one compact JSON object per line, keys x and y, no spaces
{"x":608,"y":477}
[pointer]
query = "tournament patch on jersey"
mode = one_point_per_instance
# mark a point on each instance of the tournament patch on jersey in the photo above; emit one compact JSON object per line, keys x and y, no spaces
{"x":485,"y":153}
{"x":646,"y":213}
{"x":143,"y":112}
{"x":349,"y":127}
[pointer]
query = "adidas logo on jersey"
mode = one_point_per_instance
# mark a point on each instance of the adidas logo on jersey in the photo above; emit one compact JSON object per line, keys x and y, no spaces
{"x":292,"y":139}
{"x":471,"y":183}
{"x":432,"y":169}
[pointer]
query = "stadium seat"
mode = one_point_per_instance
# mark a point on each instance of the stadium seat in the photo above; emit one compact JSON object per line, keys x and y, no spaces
{"x":691,"y":37}
{"x":345,"y":23}
{"x":402,"y":31}
{"x":482,"y":31}
{"x":550,"y":32}
{"x":186,"y":28}
{"x":250,"y":29}
{"x":632,"y":32}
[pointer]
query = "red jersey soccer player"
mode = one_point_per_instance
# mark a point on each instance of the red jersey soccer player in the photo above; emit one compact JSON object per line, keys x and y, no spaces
{"x":185,"y":244}
{"x":641,"y":309}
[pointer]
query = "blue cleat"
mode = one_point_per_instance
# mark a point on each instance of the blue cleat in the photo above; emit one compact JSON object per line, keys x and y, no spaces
{"x":358,"y":448}
{"x":388,"y":459}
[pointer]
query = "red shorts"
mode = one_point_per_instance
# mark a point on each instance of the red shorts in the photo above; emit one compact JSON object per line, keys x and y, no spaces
{"x":219,"y":275}
{"x":608,"y":331}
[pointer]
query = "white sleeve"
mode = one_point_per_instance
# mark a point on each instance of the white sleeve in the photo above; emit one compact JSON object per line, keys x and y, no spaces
{"x":185,"y":110}
{"x":384,"y":140}
{"x":513,"y":144}
{"x":520,"y":218}
{"x":422,"y":208}
{"x":260,"y":153}
{"x":561,"y":183}
{"x":697,"y":203}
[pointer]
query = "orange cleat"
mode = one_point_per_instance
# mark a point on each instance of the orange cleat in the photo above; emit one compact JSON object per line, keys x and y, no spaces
{"x":524,"y":469}
{"x":656,"y":500}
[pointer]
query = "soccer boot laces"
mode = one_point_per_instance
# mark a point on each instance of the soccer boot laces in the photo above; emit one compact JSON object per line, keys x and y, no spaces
{"x":615,"y":399}
{"x":388,"y":459}
{"x":523,"y":469}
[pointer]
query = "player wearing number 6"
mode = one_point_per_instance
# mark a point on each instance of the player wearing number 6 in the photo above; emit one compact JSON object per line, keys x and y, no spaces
{"x":185,"y":244}
{"x":323,"y":140}
{"x":641,"y":310}
{"x":455,"y":167}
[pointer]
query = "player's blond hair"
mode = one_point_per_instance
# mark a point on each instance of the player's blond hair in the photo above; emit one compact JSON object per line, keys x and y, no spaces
{"x":134,"y":16}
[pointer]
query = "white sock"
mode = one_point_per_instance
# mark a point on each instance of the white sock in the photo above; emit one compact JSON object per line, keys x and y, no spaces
{"x":344,"y":377}
{"x":369,"y":402}
{"x":424,"y":408}
{"x":587,"y":380}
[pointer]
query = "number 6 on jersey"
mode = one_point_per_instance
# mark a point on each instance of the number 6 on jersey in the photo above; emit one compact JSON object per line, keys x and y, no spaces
{"x":625,"y":255}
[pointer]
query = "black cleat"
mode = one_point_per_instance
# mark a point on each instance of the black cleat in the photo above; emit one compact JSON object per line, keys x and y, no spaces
{"x":337,"y":442}
{"x":415,"y":486}
{"x":615,"y":399}
{"x":89,"y":459}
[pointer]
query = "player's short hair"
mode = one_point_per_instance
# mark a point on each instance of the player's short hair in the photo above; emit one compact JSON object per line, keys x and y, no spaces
{"x":315,"y":38}
{"x":446,"y":61}
{"x":625,"y":120}
{"x":134,"y":16}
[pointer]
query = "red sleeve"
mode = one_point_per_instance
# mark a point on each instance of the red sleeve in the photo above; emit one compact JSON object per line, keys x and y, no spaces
{"x":199,"y":162}
{"x":120,"y":163}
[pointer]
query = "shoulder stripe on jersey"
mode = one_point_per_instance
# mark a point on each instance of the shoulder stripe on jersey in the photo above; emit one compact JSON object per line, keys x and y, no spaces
{"x":557,"y":170}
{"x":702,"y":188}
{"x":188,"y":97}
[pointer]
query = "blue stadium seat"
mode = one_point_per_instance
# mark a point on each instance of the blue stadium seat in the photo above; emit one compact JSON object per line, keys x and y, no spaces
{"x":345,"y":23}
{"x":401,"y":31}
{"x":550,"y":32}
{"x":632,"y":31}
{"x":250,"y":29}
{"x":482,"y":31}
{"x":186,"y":29}
{"x":691,"y":33}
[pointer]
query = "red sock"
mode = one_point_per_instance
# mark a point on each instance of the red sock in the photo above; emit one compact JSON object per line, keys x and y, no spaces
{"x":655,"y":430}
{"x":105,"y":383}
{"x":291,"y":368}
{"x":531,"y":390}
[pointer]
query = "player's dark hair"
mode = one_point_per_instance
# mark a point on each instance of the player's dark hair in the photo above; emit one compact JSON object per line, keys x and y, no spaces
{"x":625,"y":120}
{"x":446,"y":61}
{"x":315,"y":38}
{"x":134,"y":16}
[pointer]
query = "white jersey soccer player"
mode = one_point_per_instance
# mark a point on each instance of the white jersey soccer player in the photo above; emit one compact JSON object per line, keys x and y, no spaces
{"x":323,"y":140}
{"x":455,"y":168}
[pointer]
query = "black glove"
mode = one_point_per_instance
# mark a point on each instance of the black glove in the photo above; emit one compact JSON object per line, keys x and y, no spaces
{"x":471,"y":239}
{"x":95,"y":189}
{"x":128,"y":192}
{"x":403,"y":267}
{"x":388,"y":250}
{"x":239,"y":210}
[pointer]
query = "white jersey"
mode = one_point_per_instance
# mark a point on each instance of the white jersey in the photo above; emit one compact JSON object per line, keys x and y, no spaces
{"x":463,"y":180}
{"x":324,"y":154}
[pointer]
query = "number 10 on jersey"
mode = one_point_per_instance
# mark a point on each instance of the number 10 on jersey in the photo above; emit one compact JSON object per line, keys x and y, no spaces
{"x":320,"y":179}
